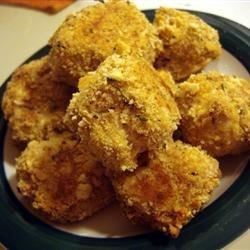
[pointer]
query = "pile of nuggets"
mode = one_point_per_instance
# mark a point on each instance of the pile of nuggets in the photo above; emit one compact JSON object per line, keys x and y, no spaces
{"x":98,"y":114}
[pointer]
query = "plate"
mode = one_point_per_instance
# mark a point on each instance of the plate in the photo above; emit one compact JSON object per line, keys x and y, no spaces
{"x":220,"y":222}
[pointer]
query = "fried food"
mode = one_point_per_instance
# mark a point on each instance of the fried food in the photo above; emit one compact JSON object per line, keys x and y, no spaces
{"x":34,"y":103}
{"x":116,"y":137}
{"x":189,"y":43}
{"x":62,"y":180}
{"x":170,"y":189}
{"x":123,"y":109}
{"x":168,"y":81}
{"x":86,"y":38}
{"x":215,"y":111}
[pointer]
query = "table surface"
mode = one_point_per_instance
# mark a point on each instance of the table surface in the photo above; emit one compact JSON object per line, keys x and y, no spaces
{"x":24,"y":31}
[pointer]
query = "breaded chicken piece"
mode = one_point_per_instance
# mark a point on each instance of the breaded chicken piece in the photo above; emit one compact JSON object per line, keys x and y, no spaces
{"x":86,"y":38}
{"x":215,"y":111}
{"x":189,"y":44}
{"x":34,"y":103}
{"x":123,"y":109}
{"x":62,"y":180}
{"x":170,"y":189}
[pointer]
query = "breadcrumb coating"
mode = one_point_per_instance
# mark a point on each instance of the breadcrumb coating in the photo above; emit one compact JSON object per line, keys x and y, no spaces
{"x":115,"y":136}
{"x":87,"y":38}
{"x":168,"y":81}
{"x":62,"y":180}
{"x":34,"y":103}
{"x":170,"y":189}
{"x":189,"y":44}
{"x":215,"y":111}
{"x":122,"y":110}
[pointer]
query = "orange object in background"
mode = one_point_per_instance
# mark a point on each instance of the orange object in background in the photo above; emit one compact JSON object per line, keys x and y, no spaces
{"x":50,"y":6}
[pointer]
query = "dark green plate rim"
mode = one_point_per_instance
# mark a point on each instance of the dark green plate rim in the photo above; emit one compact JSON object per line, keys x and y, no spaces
{"x":220,"y":223}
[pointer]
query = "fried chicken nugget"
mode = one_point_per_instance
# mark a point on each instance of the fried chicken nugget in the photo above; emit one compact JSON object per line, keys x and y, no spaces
{"x":62,"y":180}
{"x":86,"y":38}
{"x":170,"y":190}
{"x":123,"y":109}
{"x":34,"y":103}
{"x":189,"y":43}
{"x":215,"y":111}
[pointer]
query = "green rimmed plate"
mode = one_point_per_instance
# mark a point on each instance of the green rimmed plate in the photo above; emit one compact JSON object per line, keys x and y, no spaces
{"x":219,"y":223}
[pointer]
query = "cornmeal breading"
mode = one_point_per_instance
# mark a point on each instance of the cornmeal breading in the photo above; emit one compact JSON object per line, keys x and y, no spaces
{"x":170,"y":189}
{"x":215,"y":112}
{"x":62,"y":180}
{"x":189,"y":43}
{"x":34,"y":103}
{"x":86,"y":38}
{"x":122,"y":110}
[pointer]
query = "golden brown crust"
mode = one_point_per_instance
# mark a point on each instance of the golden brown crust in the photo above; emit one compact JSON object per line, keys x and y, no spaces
{"x":168,"y":81}
{"x":122,"y":110}
{"x":62,"y":180}
{"x":215,"y":111}
{"x":123,"y":118}
{"x":189,"y":43}
{"x":86,"y":38}
{"x":34,"y":103}
{"x":169,"y":191}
